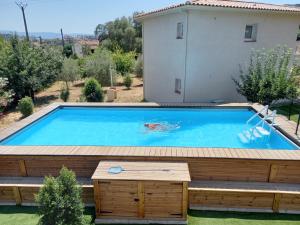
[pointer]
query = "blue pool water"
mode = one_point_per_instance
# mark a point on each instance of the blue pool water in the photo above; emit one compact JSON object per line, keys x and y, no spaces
{"x":181,"y":127}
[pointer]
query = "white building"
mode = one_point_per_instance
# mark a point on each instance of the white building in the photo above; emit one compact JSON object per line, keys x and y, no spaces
{"x":192,"y":50}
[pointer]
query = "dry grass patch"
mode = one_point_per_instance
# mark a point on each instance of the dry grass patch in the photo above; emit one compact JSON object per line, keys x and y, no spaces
{"x":51,"y":94}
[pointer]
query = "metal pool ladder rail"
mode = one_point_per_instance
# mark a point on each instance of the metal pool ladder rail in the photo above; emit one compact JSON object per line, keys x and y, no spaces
{"x":263,"y":111}
{"x":258,"y":131}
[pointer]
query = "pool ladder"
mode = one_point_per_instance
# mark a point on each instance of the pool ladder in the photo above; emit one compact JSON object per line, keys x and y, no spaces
{"x":258,"y":131}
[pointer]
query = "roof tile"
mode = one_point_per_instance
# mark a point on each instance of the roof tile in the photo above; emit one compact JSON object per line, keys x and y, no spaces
{"x":229,"y":4}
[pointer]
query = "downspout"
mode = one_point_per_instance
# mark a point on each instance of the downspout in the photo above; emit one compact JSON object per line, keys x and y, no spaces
{"x":186,"y":52}
{"x":143,"y":55}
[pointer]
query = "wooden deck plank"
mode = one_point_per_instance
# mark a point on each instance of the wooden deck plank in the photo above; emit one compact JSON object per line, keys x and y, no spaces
{"x":157,"y":171}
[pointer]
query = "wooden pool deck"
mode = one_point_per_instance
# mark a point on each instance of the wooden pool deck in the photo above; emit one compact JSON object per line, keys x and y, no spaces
{"x":285,"y":126}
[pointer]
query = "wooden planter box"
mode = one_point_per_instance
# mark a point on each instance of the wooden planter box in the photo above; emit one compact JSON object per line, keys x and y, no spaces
{"x":144,"y":192}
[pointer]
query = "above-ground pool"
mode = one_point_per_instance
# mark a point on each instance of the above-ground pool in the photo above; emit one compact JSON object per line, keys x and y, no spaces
{"x":169,"y":127}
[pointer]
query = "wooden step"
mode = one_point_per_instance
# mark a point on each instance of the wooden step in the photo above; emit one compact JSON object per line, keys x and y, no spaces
{"x":21,"y":190}
{"x":244,"y":196}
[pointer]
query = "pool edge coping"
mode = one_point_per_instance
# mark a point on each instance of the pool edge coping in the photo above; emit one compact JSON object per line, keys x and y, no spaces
{"x":189,"y":152}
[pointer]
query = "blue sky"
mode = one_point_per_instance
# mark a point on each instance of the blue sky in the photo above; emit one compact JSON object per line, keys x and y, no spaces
{"x":78,"y":16}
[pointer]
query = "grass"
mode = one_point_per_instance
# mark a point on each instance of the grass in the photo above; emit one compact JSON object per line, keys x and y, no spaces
{"x":238,"y":218}
{"x":17,"y":215}
{"x":284,"y":110}
{"x":14,"y":215}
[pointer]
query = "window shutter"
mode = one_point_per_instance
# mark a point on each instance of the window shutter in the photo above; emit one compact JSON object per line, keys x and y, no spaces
{"x":254,"y":32}
{"x":179,"y":31}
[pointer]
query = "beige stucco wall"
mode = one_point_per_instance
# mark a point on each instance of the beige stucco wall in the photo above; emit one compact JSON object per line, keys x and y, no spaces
{"x":164,"y":59}
{"x":210,"y":53}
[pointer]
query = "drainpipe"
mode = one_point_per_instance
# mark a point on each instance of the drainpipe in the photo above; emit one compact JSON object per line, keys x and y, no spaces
{"x":186,"y":51}
{"x":143,"y":55}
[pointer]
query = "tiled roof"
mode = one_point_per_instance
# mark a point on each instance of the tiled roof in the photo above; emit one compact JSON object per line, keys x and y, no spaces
{"x":229,"y":4}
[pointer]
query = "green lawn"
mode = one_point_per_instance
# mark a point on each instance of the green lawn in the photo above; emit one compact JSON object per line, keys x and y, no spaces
{"x":15,"y":215}
{"x":284,"y":110}
{"x":11,"y":215}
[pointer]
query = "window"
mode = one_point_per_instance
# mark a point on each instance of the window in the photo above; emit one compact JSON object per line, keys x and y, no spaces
{"x":179,"y":31}
{"x":178,"y":86}
{"x":250,"y":32}
{"x":298,"y":34}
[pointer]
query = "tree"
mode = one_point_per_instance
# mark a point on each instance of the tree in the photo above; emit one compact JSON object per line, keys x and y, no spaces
{"x":139,"y":66}
{"x":268,"y":76}
{"x":101,"y":66}
{"x":124,"y":33}
{"x":60,"y":201}
{"x":124,"y":61}
{"x":28,"y":69}
{"x":137,"y":25}
{"x":101,"y":32}
{"x":67,"y":50}
{"x":5,"y":94}
{"x":70,"y":71}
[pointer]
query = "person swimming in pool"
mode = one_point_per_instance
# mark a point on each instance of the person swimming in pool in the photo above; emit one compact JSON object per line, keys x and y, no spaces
{"x":153,"y":126}
{"x":160,"y":127}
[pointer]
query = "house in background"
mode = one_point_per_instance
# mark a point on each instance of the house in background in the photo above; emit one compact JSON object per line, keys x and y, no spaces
{"x":192,"y":50}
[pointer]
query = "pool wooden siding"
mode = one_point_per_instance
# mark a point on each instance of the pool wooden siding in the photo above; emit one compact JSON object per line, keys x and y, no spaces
{"x":22,"y":190}
{"x":256,"y":170}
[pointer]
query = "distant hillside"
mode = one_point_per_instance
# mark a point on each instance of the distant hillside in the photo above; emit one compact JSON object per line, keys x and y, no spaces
{"x":293,"y":5}
{"x":44,"y":35}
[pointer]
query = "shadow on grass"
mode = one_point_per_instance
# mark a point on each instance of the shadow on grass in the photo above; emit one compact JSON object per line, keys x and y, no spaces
{"x":138,"y":85}
{"x":18,"y":209}
{"x":42,"y":100}
{"x":244,"y":215}
{"x":81,"y":84}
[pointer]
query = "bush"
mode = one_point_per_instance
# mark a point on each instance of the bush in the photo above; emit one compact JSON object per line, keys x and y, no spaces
{"x":100,"y":65}
{"x":139,"y":66}
{"x":124,"y":61}
{"x":92,"y":91}
{"x":26,"y":106}
{"x":268,"y":76}
{"x":64,"y":94}
{"x":60,"y":201}
{"x":127,"y":81}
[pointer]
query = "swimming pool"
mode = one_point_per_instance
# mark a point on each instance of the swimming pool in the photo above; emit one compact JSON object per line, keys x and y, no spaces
{"x":177,"y":127}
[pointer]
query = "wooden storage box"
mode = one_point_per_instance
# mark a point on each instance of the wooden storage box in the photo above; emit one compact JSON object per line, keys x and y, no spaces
{"x":143,"y":192}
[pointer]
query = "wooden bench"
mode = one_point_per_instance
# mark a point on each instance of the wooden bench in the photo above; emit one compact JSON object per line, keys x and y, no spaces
{"x":21,"y":190}
{"x":244,"y":196}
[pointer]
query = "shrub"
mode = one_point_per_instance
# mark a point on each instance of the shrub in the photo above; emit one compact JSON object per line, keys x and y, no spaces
{"x":139,"y":66}
{"x":100,"y":66}
{"x":268,"y":76}
{"x":92,"y":91}
{"x":64,"y":94}
{"x":124,"y":61}
{"x":127,"y":81}
{"x":26,"y":106}
{"x":60,"y":201}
